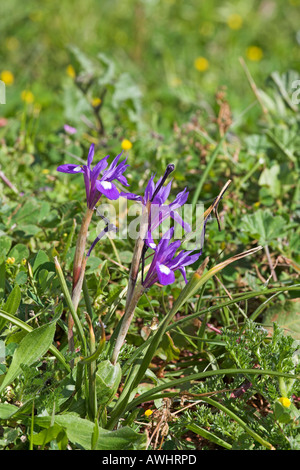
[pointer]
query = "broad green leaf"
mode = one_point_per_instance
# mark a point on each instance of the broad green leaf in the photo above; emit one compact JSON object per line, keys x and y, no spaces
{"x":286,"y":315}
{"x":282,"y":414}
{"x":270,"y":178}
{"x":168,"y":348}
{"x":108,"y":378}
{"x":32,"y":212}
{"x":40,"y":259}
{"x":7,"y":410}
{"x":80,"y":432}
{"x":46,"y":435}
{"x":264,"y":226}
{"x":32,"y":347}
{"x":121,"y":439}
{"x":19,"y":252}
{"x":21,"y":278}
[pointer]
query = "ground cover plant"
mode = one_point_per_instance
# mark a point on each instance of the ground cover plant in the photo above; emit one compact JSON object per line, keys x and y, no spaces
{"x":149,"y":226}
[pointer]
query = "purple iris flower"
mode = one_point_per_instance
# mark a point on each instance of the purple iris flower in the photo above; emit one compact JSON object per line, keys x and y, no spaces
{"x":157,"y":194}
{"x":96,"y":187}
{"x":165,"y":263}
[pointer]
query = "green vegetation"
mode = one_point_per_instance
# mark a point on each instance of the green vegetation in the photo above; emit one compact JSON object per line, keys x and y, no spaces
{"x":212,"y":88}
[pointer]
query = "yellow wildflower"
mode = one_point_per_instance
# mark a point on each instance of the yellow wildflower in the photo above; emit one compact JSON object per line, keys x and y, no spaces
{"x":71,"y":71}
{"x":10,"y":260}
{"x":45,"y":171}
{"x":24,"y":261}
{"x":126,"y":144}
{"x":27,"y":96}
{"x":254,"y":53}
{"x":201,"y":64}
{"x":96,"y":102}
{"x":7,"y":77}
{"x":285,"y":402}
{"x":235,"y":21}
{"x":148,"y":413}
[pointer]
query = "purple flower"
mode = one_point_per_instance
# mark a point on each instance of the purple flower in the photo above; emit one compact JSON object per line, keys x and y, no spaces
{"x":109,"y":227}
{"x":69,"y":129}
{"x":96,"y":187}
{"x":165,"y":263}
{"x":157,"y":194}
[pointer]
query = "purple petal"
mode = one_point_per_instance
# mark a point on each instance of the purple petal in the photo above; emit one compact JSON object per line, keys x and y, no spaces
{"x":149,"y":189}
{"x":149,"y":241}
{"x":99,"y":167}
{"x":131,"y":196}
{"x":182,"y":270}
{"x":87,"y":178}
{"x":69,"y":168}
{"x":90,"y":155}
{"x":165,"y":274}
{"x":164,"y":192}
{"x":123,"y":180}
{"x":175,"y":216}
{"x":180,"y":199}
{"x":108,"y":189}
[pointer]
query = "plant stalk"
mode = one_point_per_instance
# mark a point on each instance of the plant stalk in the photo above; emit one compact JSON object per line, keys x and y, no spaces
{"x":126,"y":321}
{"x":78,"y":272}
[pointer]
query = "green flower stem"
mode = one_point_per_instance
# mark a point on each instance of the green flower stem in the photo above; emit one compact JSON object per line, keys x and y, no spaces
{"x":71,"y":306}
{"x":80,"y":245}
{"x":126,"y":321}
{"x":79,"y":264}
{"x":136,"y":258}
{"x":91,"y":369}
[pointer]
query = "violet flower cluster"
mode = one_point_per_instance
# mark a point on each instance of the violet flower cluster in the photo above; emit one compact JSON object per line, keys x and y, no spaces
{"x":165,"y":261}
{"x":99,"y":180}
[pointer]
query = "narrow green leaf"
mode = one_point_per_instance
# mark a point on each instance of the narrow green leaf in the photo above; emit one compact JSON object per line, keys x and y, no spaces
{"x":12,"y":304}
{"x":208,"y":435}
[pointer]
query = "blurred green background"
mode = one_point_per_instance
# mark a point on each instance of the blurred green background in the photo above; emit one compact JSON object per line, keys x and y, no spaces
{"x":178,"y":52}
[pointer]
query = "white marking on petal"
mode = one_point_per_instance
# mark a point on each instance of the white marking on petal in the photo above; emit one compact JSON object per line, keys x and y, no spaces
{"x":152,"y":245}
{"x":164,"y":269}
{"x":78,"y":168}
{"x":106,"y":184}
